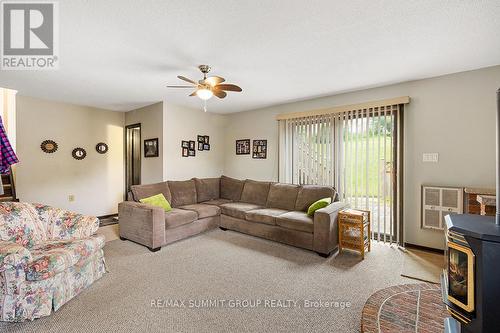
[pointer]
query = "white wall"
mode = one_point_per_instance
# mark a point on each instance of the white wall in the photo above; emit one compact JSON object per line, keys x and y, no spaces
{"x":453,"y":115}
{"x":181,"y":123}
{"x":253,"y":125}
{"x":151,"y":119}
{"x":97,"y":182}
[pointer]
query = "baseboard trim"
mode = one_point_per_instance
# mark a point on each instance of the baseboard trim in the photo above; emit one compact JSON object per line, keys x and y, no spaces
{"x":423,"y":248}
{"x":107,"y":216}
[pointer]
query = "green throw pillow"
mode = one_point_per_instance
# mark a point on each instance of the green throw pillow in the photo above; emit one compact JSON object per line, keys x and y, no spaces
{"x":158,"y":201}
{"x":321,"y":203}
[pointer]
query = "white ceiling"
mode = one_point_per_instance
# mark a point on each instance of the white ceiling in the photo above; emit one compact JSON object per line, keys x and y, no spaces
{"x":120,"y":54}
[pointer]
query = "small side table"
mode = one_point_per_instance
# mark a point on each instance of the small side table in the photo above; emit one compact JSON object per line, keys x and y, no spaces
{"x":488,"y":204}
{"x":354,"y":230}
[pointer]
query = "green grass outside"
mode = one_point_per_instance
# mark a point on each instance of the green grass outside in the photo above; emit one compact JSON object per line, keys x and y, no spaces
{"x":375,"y":164}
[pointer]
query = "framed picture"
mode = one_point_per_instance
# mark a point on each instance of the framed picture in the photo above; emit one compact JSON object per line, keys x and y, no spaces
{"x":151,"y":148}
{"x":201,"y":138}
{"x":192,"y":152}
{"x":206,"y":146}
{"x":185,"y":152}
{"x":192,"y":145}
{"x":200,"y":145}
{"x":185,"y":144}
{"x":243,"y":147}
{"x":206,"y":139}
{"x":259,"y":149}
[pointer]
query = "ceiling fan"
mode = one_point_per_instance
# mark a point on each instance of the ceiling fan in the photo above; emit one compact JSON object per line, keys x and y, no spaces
{"x":208,"y":86}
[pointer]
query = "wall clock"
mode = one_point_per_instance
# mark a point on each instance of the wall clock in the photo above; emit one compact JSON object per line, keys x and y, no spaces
{"x":101,"y":148}
{"x":79,"y":153}
{"x":48,"y":146}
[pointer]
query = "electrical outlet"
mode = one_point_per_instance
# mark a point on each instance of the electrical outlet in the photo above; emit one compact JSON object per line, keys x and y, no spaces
{"x":71,"y":197}
{"x":430,"y":157}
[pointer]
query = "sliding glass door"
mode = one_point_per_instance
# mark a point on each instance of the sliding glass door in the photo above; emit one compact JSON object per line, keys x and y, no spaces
{"x":355,"y":151}
{"x":368,"y":170}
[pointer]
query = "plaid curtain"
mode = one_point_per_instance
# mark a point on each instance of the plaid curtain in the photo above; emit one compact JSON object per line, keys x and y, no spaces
{"x":7,"y":155}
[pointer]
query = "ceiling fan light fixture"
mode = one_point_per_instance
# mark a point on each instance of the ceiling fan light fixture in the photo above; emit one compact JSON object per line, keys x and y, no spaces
{"x":204,"y":93}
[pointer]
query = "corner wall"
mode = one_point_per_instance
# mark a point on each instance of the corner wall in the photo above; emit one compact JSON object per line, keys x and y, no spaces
{"x":453,"y":115}
{"x":151,"y":119}
{"x":97,"y":182}
{"x":182,"y":123}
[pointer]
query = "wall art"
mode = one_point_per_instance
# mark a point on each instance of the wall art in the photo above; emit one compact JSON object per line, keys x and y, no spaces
{"x":79,"y":153}
{"x":101,"y":148}
{"x":259,"y":149}
{"x":49,"y":146}
{"x":151,"y":148}
{"x":243,"y":147}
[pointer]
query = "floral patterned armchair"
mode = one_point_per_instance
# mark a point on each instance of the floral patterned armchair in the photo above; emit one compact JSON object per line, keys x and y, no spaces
{"x":47,"y":257}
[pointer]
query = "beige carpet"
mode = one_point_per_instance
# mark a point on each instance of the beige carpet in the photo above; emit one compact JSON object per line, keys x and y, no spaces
{"x":226,"y":266}
{"x":423,"y":265}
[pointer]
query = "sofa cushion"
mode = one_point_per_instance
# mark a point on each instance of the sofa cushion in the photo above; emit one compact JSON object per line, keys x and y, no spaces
{"x":217,"y":202}
{"x":177,"y":217}
{"x":296,"y":221}
{"x":203,"y":210}
{"x":207,"y":188}
{"x":183,"y":192}
{"x":157,"y":200}
{"x":321,"y":203}
{"x":143,"y":191}
{"x":53,"y":257}
{"x":255,"y":192}
{"x":308,"y":194}
{"x":282,"y":196}
{"x":231,"y":188}
{"x":237,"y":209}
{"x":266,"y":215}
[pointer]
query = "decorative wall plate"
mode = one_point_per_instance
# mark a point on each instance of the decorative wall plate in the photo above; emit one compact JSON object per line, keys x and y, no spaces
{"x":101,"y":148}
{"x":48,"y":146}
{"x":79,"y":153}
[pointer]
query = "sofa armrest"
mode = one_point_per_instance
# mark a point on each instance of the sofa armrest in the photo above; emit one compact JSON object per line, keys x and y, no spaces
{"x":14,"y":259}
{"x":13,"y":255}
{"x":142,"y":223}
{"x":66,"y":224}
{"x":326,"y":227}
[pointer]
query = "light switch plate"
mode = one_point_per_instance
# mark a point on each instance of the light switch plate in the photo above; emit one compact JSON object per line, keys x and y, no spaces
{"x":430,"y":157}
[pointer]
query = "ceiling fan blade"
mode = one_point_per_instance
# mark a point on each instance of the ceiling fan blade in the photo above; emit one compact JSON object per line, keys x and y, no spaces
{"x":228,"y":87}
{"x":193,"y":93}
{"x":180,"y":87}
{"x":219,"y":93}
{"x":187,"y":80}
{"x":214,"y":80}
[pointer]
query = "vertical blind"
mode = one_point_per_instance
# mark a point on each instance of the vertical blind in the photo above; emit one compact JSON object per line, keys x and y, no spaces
{"x":355,"y":151}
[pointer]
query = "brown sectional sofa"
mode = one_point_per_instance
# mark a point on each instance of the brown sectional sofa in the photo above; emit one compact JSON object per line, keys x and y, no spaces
{"x":269,"y":210}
